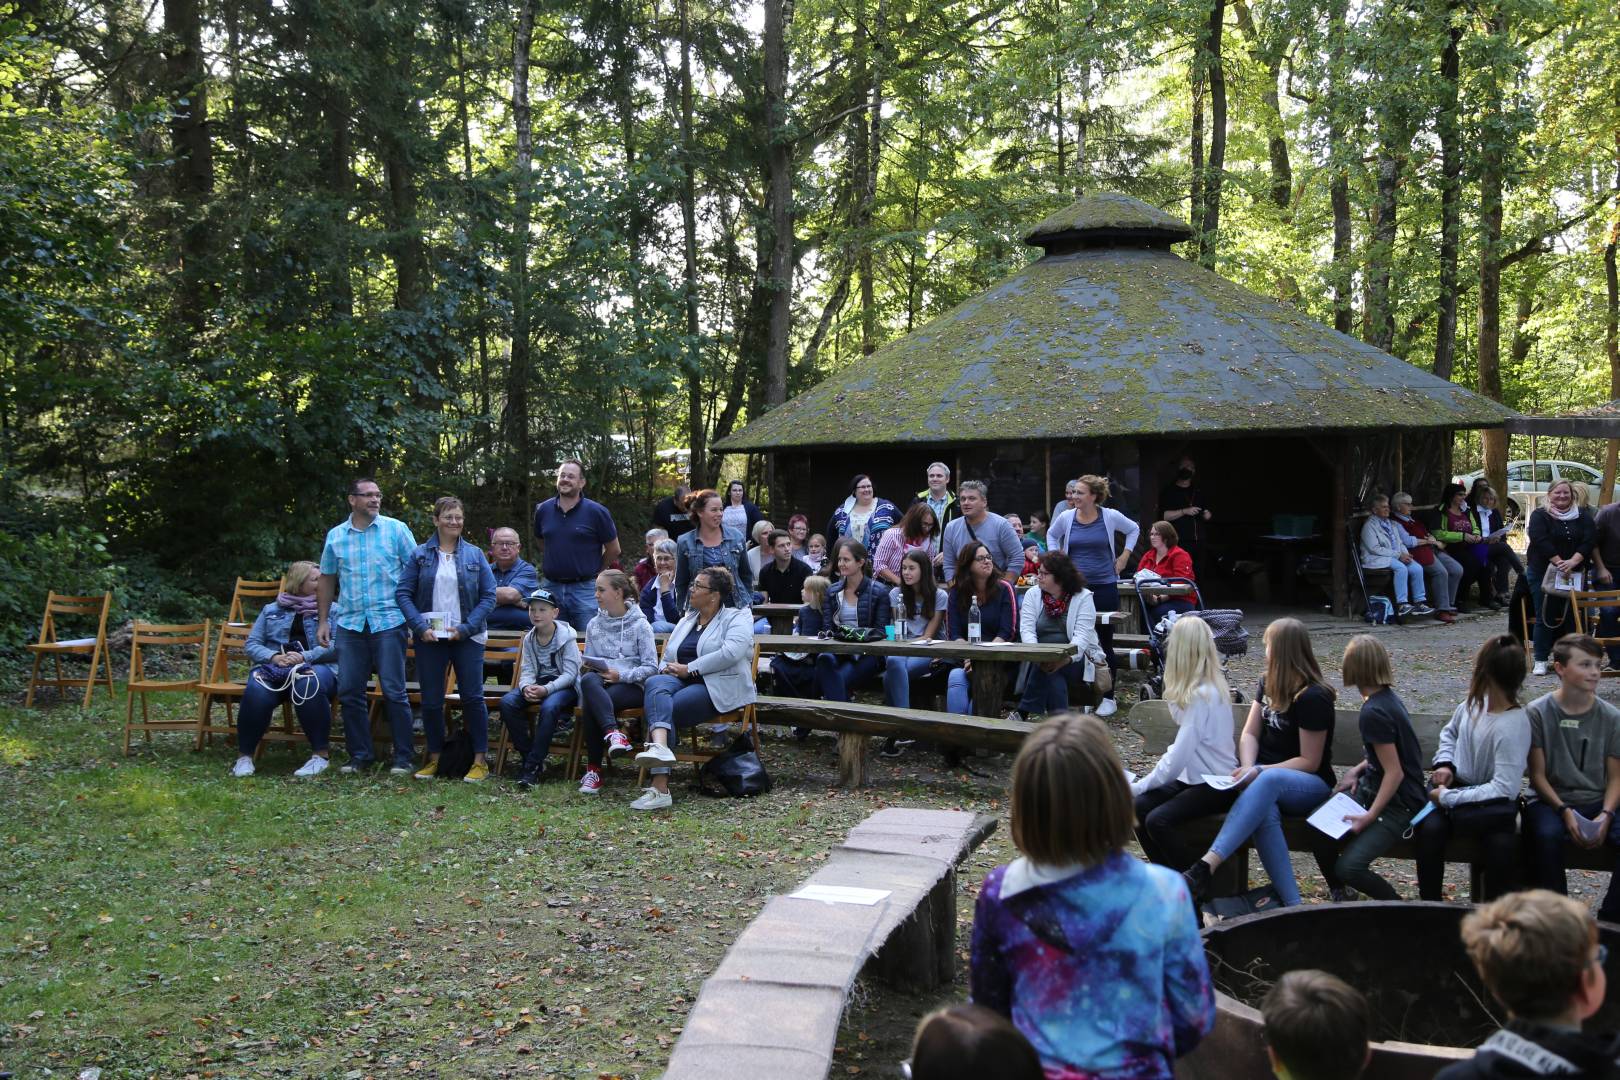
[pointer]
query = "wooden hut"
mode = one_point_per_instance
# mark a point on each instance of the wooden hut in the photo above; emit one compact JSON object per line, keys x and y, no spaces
{"x":1110,"y":354}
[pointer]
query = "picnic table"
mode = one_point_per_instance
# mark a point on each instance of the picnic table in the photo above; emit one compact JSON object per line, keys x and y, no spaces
{"x":991,"y":661}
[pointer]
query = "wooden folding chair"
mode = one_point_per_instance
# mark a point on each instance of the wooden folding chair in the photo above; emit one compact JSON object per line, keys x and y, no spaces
{"x":699,"y":753}
{"x":221,"y":685}
{"x":162,"y":636}
{"x":50,"y":645}
{"x":261,"y":592}
{"x":570,"y":742}
{"x":377,"y":707}
{"x":1588,"y":605}
{"x":501,"y":648}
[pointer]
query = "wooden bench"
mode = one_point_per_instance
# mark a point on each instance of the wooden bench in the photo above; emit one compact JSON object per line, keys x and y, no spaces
{"x":773,"y":1006}
{"x":1152,"y":721}
{"x":856,"y":721}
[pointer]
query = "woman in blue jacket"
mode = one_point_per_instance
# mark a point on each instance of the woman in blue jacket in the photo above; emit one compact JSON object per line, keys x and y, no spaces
{"x":451,"y":581}
{"x":283,"y":639}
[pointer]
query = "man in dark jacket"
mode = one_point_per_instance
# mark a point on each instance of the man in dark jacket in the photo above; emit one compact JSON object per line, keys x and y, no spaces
{"x":1538,"y":953}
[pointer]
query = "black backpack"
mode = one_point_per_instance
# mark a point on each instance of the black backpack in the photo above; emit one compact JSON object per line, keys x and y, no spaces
{"x":457,"y":756}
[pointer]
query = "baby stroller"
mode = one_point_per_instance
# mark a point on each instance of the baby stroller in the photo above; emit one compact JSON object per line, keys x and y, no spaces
{"x":1226,"y":624}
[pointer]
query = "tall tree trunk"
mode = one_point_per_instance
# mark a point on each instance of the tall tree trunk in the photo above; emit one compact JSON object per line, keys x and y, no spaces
{"x":779,"y":170}
{"x":193,"y":169}
{"x":1195,"y":211}
{"x":860,"y":175}
{"x":1339,"y":184}
{"x":1611,"y":321}
{"x":1270,"y":57}
{"x":697,"y":447}
{"x":1445,"y":334}
{"x":1215,"y":168}
{"x":515,"y":418}
{"x":1489,"y":349}
{"x":1380,"y":311}
{"x":336,"y":173}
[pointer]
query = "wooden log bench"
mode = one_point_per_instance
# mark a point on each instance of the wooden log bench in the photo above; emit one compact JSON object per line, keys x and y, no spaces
{"x":773,"y":1006}
{"x":855,"y":722}
{"x":1152,"y":721}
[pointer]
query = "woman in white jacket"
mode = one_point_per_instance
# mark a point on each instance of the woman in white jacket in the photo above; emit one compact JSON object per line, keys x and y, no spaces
{"x":1201,"y":705}
{"x":1384,"y":546}
{"x":707,"y":671}
{"x":1059,"y":610}
{"x":1478,"y":770}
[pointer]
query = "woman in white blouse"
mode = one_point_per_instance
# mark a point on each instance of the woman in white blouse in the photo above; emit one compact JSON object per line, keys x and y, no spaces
{"x":1201,"y":705}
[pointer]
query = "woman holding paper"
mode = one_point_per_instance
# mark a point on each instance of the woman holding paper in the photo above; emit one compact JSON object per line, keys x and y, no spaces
{"x":1478,"y":770}
{"x":620,"y":656}
{"x":1283,"y":760}
{"x":1176,"y":791}
{"x":1388,"y":782}
{"x":1561,"y":537}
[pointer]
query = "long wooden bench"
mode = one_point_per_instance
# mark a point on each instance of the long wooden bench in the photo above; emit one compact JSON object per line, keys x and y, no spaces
{"x":1152,"y":721}
{"x":773,"y":1006}
{"x":855,"y":722}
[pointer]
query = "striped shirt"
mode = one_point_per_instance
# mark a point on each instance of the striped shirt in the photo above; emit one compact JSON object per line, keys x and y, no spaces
{"x":367,"y":563}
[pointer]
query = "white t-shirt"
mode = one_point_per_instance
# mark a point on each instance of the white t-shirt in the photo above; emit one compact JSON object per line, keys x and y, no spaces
{"x":446,"y":593}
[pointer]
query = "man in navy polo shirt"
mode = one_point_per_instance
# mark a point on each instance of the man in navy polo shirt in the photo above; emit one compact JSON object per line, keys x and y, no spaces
{"x":515,"y":579}
{"x":580,"y":542}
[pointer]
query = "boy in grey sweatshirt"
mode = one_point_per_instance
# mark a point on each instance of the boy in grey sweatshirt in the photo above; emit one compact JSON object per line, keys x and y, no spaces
{"x":547,"y":676}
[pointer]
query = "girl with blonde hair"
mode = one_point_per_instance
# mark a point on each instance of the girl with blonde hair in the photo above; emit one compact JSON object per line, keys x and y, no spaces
{"x":1200,"y":704}
{"x":1284,"y":764}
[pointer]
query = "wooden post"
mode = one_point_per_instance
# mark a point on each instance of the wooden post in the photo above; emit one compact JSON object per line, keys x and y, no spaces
{"x":852,"y":760}
{"x":1400,"y":461}
{"x":1341,"y":546}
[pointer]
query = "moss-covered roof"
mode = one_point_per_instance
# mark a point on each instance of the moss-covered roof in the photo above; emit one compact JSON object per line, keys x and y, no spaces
{"x":1101,"y":342}
{"x":1108,"y":217}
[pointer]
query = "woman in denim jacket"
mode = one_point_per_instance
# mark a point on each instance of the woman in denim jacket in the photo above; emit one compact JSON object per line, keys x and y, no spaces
{"x":283,"y":636}
{"x":712,"y":544}
{"x":449,"y":578}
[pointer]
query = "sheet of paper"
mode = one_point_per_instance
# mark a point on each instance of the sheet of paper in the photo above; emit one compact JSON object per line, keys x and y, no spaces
{"x":1590,"y":830}
{"x":1329,"y":817}
{"x":1130,"y":777}
{"x":595,"y":663}
{"x":1222,"y":783}
{"x":841,"y":894}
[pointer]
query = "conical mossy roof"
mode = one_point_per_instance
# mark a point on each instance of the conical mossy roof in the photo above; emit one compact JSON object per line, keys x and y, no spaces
{"x":1111,"y":334}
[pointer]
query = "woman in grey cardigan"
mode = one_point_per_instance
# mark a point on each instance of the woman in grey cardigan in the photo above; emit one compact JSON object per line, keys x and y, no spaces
{"x":620,"y":656}
{"x":708,"y":670}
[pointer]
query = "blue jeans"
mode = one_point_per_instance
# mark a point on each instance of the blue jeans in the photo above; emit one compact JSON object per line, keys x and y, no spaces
{"x":602,"y":702}
{"x":1556,"y":608}
{"x":359,"y":653}
{"x":1546,"y":841}
{"x":1257,"y":816}
{"x":1408,"y":582}
{"x":672,"y":703}
{"x":433,"y":658}
{"x":576,"y":600}
{"x":515,"y":715}
{"x":1106,"y":598}
{"x":661,"y":627}
{"x":899,"y":672}
{"x":1047,"y":692}
{"x":838,"y":676}
{"x":957,"y":698}
{"x":259,"y":704}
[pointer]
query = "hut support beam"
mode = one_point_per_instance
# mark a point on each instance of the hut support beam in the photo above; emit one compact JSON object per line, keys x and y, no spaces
{"x":1341,"y":544}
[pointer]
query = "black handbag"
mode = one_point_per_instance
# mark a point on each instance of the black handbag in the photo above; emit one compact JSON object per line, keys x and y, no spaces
{"x":736,"y":772}
{"x":857,"y":635}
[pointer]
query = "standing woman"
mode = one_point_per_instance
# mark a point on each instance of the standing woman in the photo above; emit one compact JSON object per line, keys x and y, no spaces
{"x":658,"y":600}
{"x":449,"y":577}
{"x":284,"y":636}
{"x":1059,"y":610}
{"x":1478,"y":770}
{"x":863,"y":516}
{"x":977,"y":578}
{"x":1085,"y":532}
{"x":1284,"y":766}
{"x":1562,"y":534}
{"x":855,"y":600}
{"x":619,"y":657}
{"x":707,"y":670}
{"x":712,"y":543}
{"x":918,"y":531}
{"x":740,"y":514}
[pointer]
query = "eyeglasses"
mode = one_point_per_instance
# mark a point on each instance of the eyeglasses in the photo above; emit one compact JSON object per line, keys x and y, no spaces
{"x":983,"y":558}
{"x":366,"y":495}
{"x":699,"y":585}
{"x":503,"y":543}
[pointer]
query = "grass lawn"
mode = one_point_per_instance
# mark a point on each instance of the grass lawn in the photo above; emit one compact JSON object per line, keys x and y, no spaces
{"x":158,"y":918}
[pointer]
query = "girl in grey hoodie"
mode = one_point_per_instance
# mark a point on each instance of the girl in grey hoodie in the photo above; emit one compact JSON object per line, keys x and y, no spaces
{"x":619,"y":657}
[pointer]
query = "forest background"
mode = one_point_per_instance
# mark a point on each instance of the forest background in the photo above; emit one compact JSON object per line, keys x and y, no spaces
{"x":248,"y":249}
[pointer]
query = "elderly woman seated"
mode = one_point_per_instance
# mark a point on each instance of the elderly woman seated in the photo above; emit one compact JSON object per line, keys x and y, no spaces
{"x":1387,"y":546}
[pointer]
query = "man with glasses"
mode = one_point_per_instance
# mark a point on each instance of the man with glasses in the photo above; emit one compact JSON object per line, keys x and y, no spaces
{"x":580,"y":542}
{"x":360,"y":567}
{"x":515,"y":579}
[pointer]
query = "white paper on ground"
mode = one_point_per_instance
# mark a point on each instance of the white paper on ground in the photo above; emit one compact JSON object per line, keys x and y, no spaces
{"x":1329,"y":817}
{"x":840,"y":894}
{"x":1222,"y":783}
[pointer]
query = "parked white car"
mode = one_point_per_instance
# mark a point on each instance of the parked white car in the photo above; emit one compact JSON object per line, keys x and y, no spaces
{"x":1528,"y":483}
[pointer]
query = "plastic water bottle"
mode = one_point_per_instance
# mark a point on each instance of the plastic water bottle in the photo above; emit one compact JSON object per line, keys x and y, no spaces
{"x":973,"y":622}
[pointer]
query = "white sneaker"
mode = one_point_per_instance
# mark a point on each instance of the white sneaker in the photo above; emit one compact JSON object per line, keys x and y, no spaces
{"x":1107,"y":707}
{"x":654,"y":756}
{"x":243,"y":766}
{"x":653,"y":799}
{"x":1540,"y":669}
{"x":314,"y":766}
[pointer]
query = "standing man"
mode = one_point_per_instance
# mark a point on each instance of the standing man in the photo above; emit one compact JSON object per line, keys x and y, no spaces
{"x":515,"y":579}
{"x":1182,"y":505}
{"x":671,"y":513}
{"x":978,"y":523}
{"x":360,"y":563}
{"x":938,"y":495}
{"x":580,"y":542}
{"x":1071,"y":501}
{"x":782,"y":578}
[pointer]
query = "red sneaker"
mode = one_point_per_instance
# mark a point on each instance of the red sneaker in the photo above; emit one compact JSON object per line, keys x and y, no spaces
{"x":618,"y":745}
{"x":590,"y":783}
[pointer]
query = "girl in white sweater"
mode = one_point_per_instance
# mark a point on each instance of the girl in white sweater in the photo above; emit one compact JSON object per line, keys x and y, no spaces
{"x":1478,"y":770}
{"x":1201,"y":704}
